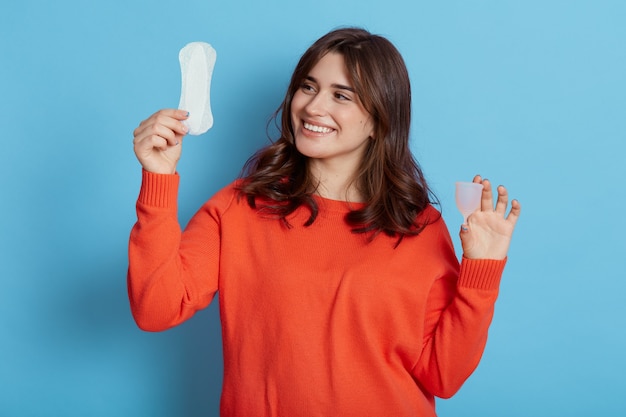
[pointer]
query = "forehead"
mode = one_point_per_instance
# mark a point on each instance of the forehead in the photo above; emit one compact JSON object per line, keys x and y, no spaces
{"x":331,"y":68}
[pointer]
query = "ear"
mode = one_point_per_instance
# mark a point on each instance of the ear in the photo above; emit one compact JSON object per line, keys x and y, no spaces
{"x":372,"y":130}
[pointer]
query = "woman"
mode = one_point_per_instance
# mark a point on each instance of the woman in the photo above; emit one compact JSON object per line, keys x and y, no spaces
{"x":340,"y":292}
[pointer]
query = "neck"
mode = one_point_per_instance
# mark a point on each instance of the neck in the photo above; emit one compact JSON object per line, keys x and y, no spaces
{"x":336,"y":184}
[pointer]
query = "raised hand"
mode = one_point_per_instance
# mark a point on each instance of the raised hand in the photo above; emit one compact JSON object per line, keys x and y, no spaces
{"x":158,"y":140}
{"x":488,"y":232}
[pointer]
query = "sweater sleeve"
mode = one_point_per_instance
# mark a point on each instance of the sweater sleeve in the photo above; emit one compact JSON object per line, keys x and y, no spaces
{"x":171,"y":274}
{"x":460,"y":309}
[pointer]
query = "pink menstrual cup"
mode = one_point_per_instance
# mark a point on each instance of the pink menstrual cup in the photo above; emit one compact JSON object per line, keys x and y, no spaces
{"x":468,"y":198}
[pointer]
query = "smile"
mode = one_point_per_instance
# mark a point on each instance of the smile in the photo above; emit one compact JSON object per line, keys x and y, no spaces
{"x":317,"y":129}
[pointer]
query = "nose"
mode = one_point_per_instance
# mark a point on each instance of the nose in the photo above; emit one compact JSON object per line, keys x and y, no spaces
{"x":316,"y":105}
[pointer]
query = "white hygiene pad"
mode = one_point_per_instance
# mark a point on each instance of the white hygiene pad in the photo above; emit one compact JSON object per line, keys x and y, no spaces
{"x":197,"y":60}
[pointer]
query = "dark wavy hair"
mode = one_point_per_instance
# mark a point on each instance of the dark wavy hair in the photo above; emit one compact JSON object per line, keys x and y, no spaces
{"x":276,"y":179}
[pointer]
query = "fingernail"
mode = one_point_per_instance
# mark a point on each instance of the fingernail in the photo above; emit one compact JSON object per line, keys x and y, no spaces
{"x":464,"y":228}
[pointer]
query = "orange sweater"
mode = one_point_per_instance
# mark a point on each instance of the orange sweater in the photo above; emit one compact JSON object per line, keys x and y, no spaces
{"x":315,"y":320}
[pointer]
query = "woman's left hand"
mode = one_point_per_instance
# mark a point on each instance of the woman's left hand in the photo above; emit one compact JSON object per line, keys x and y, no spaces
{"x":488,"y":231}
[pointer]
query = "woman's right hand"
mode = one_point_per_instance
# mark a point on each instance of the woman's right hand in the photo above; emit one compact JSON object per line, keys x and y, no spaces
{"x":158,"y":140}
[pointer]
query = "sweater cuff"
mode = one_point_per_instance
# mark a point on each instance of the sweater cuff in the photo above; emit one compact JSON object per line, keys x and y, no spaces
{"x":158,"y":190}
{"x":483,"y":274}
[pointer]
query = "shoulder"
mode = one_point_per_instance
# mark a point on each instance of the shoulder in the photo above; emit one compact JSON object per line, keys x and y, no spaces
{"x":432,"y":220}
{"x":430,"y":214}
{"x":435,"y":231}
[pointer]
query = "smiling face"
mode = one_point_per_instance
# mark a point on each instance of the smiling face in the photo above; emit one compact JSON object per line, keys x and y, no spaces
{"x":330,"y":124}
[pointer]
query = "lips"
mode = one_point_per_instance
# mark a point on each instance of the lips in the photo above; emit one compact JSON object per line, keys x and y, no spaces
{"x":316,"y":128}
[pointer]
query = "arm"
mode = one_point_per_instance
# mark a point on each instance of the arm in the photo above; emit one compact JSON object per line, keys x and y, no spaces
{"x":171,"y":274}
{"x":459,"y":311}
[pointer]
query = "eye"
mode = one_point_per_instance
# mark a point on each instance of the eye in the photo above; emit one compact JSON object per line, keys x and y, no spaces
{"x":307,"y":88}
{"x":341,"y":96}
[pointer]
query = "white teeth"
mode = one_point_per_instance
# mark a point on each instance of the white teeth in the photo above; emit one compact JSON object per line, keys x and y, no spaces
{"x":318,"y":129}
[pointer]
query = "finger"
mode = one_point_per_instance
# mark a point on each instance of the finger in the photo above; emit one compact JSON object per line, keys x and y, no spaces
{"x":169,"y":119}
{"x":178,"y":114}
{"x":486,"y":201}
{"x":173,"y":113}
{"x":149,"y":143}
{"x":172,"y":118}
{"x":156,"y":130}
{"x":170,"y":129}
{"x":516,"y":209}
{"x":157,"y":136}
{"x":503,"y":200}
{"x":477,"y":179}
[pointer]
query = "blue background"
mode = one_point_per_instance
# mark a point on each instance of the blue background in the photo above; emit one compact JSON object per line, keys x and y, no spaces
{"x":531,"y":94}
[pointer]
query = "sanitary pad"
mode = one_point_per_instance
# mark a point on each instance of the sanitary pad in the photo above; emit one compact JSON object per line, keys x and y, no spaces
{"x":197,"y":60}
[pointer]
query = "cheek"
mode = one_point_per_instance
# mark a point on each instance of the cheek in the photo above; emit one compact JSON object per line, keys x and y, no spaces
{"x":297,"y":102}
{"x":293,"y":111}
{"x":368,"y":127}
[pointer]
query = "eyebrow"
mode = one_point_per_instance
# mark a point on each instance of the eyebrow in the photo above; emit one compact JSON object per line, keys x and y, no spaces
{"x":339,"y":86}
